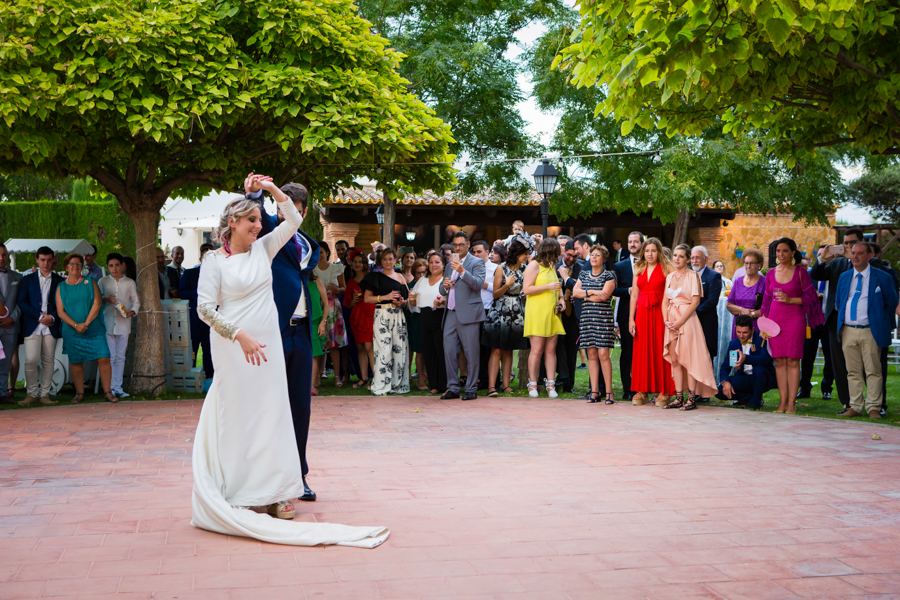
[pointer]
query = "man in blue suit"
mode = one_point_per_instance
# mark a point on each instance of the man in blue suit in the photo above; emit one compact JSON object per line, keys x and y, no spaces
{"x":753,"y":374}
{"x":187,"y":290}
{"x":865,"y":302}
{"x":40,"y":327}
{"x":624,"y":272}
{"x":290,"y":276}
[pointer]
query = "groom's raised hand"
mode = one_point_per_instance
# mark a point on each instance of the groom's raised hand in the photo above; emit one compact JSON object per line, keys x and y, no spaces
{"x":253,"y":183}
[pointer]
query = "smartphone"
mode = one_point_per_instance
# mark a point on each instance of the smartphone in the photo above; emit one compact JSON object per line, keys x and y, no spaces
{"x":454,"y":256}
{"x":732,"y":358}
{"x":836,"y":250}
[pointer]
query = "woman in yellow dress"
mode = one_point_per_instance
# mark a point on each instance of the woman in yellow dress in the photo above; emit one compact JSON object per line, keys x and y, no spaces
{"x":542,"y":307}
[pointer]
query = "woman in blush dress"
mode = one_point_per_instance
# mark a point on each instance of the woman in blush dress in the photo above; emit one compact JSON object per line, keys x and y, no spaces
{"x":685,"y":346}
{"x":245,"y":462}
{"x":747,"y":292}
{"x":650,"y":372}
{"x":791,"y":301}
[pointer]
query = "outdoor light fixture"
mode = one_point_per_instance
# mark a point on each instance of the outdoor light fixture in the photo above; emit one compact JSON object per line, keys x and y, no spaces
{"x":593,"y":237}
{"x":410,"y":236}
{"x":657,"y":157}
{"x":545,"y":181}
{"x":379,"y":214}
{"x":179,"y":231}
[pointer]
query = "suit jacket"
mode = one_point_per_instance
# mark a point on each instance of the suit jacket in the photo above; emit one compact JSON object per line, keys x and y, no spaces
{"x":616,"y":256}
{"x":624,"y":281}
{"x":569,"y":284}
{"x":469,"y":307}
{"x":706,"y":310}
{"x":881,"y":306}
{"x":11,"y":300}
{"x":187,"y":290}
{"x":831,"y":273}
{"x":758,"y":358}
{"x":30,"y":303}
{"x":289,"y":279}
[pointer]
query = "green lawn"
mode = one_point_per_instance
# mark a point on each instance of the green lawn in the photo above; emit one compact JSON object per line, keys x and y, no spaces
{"x":814,"y":407}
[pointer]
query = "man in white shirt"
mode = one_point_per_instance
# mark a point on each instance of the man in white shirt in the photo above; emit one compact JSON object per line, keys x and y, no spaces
{"x":40,"y":326}
{"x":9,"y":325}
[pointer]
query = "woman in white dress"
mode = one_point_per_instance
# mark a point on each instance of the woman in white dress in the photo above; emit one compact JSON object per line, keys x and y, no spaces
{"x":245,"y":461}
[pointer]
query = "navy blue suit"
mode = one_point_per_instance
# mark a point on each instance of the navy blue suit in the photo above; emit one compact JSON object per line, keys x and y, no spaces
{"x":749,"y":389}
{"x":706,"y":310}
{"x":187,"y":290}
{"x":288,"y":281}
{"x":624,"y":280}
{"x":29,"y":303}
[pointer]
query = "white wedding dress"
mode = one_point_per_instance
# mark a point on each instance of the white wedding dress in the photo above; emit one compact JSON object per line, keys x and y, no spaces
{"x":245,"y":452}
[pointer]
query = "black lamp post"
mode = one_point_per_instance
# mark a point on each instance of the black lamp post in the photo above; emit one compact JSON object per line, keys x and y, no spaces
{"x":545,"y":181}
{"x":379,"y":216}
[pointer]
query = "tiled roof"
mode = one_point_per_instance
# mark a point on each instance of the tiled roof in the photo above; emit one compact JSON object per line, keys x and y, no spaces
{"x":369,"y":195}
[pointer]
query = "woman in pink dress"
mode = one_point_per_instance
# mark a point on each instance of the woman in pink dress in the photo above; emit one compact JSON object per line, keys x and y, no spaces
{"x":685,"y":346}
{"x":791,"y":301}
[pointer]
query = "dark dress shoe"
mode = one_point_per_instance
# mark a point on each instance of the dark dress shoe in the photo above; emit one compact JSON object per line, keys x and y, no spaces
{"x":308,"y":494}
{"x":450,"y":395}
{"x":469,"y":396}
{"x":803,"y":394}
{"x":826,"y":395}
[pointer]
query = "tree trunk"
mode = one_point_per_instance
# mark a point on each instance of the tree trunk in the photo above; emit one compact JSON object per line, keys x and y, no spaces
{"x":681,"y":227}
{"x":390,"y":217}
{"x":149,"y":375}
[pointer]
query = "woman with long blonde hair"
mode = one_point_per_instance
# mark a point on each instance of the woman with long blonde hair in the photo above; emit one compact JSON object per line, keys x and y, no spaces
{"x":650,"y":372}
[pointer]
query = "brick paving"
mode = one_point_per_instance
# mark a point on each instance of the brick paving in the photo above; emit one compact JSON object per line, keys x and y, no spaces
{"x":498,"y":498}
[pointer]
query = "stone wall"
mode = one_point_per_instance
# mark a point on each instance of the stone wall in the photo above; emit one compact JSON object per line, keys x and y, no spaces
{"x":758,"y":231}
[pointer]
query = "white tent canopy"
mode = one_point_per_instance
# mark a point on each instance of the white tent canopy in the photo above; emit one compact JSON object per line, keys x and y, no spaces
{"x":63,"y":247}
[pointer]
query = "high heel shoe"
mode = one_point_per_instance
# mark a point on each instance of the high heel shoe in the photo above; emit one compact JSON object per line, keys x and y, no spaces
{"x":609,"y":399}
{"x":594,"y":397}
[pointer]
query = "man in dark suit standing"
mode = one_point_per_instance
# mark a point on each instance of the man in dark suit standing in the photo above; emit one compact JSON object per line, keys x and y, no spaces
{"x":617,"y":254}
{"x":829,"y":267}
{"x":624,"y":271}
{"x":9,"y":325}
{"x":706,"y":311}
{"x":290,"y":278}
{"x":187,"y":290}
{"x":40,"y":327}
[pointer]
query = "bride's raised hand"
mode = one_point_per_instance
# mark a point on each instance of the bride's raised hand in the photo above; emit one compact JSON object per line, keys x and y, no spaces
{"x":251,"y":348}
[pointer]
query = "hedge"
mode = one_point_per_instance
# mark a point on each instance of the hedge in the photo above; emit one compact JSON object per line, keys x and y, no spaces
{"x":102,"y":223}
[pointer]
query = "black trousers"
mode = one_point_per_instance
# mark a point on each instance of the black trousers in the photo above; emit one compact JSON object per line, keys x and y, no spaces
{"x":838,"y":364}
{"x":200,"y":339}
{"x":627,"y":347}
{"x":749,"y":389}
{"x":353,"y":367}
{"x":810,"y":348}
{"x":298,"y":363}
{"x":430,"y":326}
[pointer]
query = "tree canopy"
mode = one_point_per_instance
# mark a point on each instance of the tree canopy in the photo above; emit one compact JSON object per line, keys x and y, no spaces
{"x":810,"y":73}
{"x":457,"y":59}
{"x":710,"y":168}
{"x":879,"y":191}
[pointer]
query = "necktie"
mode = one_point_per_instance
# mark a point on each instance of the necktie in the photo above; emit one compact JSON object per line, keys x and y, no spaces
{"x":856,"y":295}
{"x":451,"y":297}
{"x":299,"y":246}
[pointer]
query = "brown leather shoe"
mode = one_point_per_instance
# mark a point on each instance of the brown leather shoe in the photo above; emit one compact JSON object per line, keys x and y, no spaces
{"x":874,"y":414}
{"x":29,"y":399}
{"x":849,"y":413}
{"x":45,"y":400}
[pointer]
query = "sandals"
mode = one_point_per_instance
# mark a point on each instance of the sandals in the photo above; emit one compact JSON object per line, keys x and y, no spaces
{"x":678,"y":402}
{"x":508,"y":390}
{"x":314,"y":390}
{"x":338,"y":382}
{"x":691,"y":402}
{"x":532,"y":389}
{"x":594,"y":397}
{"x":609,"y":399}
{"x":550,"y":384}
{"x":361,"y":383}
{"x":110,"y":397}
{"x":281,"y":510}
{"x":492,"y":392}
{"x":79,"y":397}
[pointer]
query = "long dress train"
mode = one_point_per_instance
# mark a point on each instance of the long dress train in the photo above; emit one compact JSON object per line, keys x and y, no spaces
{"x":244,"y":447}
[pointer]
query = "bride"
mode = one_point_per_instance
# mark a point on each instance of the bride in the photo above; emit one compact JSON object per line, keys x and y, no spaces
{"x":245,"y":461}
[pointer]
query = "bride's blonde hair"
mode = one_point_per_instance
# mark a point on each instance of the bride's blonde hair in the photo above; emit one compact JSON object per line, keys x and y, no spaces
{"x":238,"y":208}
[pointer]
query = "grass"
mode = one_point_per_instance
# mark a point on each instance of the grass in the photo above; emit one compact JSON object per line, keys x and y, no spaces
{"x":812,"y":407}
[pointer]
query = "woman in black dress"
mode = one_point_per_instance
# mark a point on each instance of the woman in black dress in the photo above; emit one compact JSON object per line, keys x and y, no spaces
{"x":428,"y":301}
{"x":388,"y":292}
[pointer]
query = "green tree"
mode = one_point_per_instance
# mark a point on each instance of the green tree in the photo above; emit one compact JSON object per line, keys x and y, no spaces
{"x":151,"y":98}
{"x":810,"y":73}
{"x":458,"y":61}
{"x":711,"y":167}
{"x":32,"y":188}
{"x":879,"y":191}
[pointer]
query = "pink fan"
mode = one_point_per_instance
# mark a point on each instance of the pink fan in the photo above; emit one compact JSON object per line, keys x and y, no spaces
{"x":767,"y":325}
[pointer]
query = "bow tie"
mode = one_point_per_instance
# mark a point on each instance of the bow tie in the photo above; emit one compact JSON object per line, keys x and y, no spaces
{"x":4,"y":270}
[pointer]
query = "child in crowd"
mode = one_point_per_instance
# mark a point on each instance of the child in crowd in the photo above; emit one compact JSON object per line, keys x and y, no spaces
{"x":518,"y":228}
{"x":120,"y":303}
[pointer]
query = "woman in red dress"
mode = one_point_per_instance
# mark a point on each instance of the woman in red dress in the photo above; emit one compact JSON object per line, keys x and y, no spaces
{"x":650,"y":372}
{"x":362,"y":316}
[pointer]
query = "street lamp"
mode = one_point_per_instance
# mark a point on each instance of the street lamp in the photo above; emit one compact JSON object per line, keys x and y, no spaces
{"x":545,"y":181}
{"x":410,"y":236}
{"x":379,"y":214}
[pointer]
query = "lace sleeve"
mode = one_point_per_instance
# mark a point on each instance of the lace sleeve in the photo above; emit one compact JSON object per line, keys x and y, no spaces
{"x":208,"y":297}
{"x":285,"y":230}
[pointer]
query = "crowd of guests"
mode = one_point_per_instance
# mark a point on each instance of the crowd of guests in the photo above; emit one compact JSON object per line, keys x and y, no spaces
{"x":460,"y":312}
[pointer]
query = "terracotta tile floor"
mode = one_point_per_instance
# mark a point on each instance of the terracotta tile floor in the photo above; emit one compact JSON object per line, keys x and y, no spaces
{"x":506,"y":498}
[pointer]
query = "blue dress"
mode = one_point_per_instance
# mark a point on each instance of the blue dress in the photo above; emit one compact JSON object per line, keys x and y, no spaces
{"x":77,"y":301}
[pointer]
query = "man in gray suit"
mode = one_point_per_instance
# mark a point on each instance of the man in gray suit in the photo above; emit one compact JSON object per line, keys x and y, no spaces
{"x":9,"y":325}
{"x":463,"y":280}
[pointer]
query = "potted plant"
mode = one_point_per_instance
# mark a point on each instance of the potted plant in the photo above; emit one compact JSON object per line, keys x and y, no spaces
{"x":739,"y":250}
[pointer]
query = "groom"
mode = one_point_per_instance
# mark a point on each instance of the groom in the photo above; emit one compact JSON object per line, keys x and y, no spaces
{"x":290,"y":277}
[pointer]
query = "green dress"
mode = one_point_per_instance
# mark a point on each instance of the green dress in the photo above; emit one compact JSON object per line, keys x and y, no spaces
{"x":77,"y":301}
{"x":318,"y":343}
